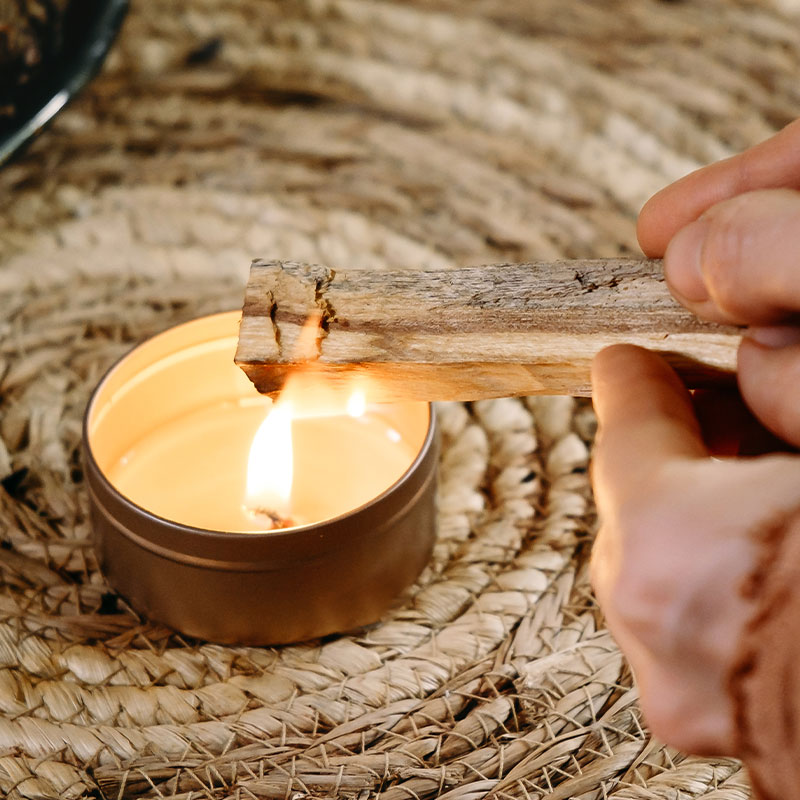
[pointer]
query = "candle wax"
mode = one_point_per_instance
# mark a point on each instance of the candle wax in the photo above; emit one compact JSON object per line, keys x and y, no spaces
{"x":191,"y":469}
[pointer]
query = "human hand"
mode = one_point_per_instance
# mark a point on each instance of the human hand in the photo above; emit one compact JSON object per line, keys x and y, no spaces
{"x":730,"y":238}
{"x":682,"y":533}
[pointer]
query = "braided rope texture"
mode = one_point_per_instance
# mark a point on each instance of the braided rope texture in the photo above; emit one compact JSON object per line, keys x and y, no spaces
{"x":400,"y":133}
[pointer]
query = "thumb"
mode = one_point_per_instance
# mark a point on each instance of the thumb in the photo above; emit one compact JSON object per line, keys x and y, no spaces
{"x":769,"y":379}
{"x":738,"y":263}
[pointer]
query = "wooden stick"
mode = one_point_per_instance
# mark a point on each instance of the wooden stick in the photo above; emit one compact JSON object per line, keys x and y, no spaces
{"x":473,"y":333}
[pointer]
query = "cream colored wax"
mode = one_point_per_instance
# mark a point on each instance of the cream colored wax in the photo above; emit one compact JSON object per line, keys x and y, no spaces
{"x":172,"y":423}
{"x":192,"y":469}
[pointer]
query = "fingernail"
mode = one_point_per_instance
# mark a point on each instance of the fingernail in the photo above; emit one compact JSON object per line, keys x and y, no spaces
{"x":774,"y":336}
{"x":682,"y":262}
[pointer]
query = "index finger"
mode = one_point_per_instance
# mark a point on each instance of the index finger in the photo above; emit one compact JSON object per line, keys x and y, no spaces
{"x":773,"y":164}
{"x":646,"y":418}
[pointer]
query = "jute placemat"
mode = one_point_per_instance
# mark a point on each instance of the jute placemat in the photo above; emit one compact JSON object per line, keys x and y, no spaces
{"x":358,"y":133}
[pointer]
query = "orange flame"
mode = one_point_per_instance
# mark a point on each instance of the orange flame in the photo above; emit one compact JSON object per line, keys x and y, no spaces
{"x":270,"y":466}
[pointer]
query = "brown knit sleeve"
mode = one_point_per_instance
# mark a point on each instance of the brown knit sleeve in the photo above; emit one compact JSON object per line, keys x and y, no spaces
{"x":765,"y":682}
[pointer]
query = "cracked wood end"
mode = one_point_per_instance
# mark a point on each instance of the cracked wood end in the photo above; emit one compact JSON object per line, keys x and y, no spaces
{"x":472,"y":333}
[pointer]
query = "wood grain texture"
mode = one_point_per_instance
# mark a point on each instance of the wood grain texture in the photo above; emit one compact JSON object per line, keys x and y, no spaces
{"x":472,"y":333}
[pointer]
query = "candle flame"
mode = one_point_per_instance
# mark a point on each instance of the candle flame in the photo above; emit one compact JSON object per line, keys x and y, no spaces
{"x":357,"y":404}
{"x":307,"y":394}
{"x":270,"y":466}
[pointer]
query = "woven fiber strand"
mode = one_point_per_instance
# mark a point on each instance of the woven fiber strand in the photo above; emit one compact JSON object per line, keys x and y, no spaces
{"x":368,"y":134}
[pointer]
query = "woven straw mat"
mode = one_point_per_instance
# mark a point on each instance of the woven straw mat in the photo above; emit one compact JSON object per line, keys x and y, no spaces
{"x":364,"y":134}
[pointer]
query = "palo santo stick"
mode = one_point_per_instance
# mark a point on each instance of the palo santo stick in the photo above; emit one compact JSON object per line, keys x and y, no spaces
{"x":473,"y":333}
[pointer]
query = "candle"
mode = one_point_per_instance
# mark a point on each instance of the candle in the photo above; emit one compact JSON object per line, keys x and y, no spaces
{"x":189,"y":468}
{"x":340,"y":463}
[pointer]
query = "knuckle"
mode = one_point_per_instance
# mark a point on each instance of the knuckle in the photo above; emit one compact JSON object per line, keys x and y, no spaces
{"x":725,"y":257}
{"x":649,"y":585}
{"x":643,"y":589}
{"x":639,"y":602}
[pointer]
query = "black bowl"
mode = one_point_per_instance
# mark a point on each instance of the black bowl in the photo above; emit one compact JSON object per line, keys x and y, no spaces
{"x":90,"y":27}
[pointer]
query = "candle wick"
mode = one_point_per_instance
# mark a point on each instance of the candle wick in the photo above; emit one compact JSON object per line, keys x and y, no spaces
{"x":272,"y":519}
